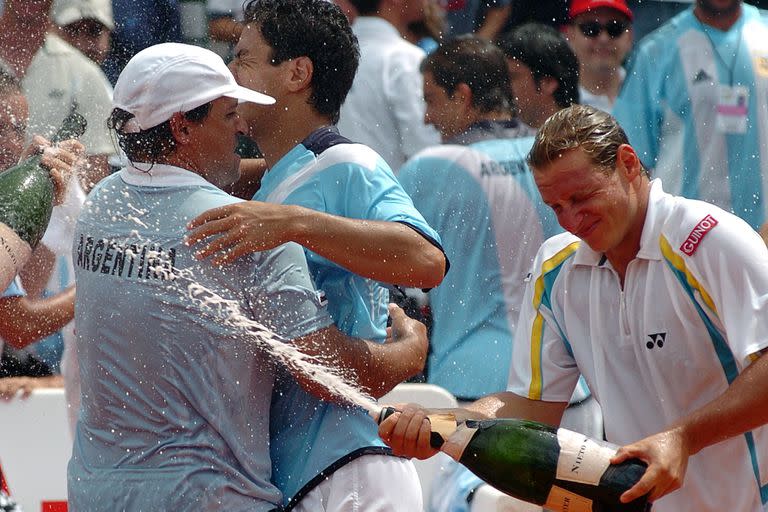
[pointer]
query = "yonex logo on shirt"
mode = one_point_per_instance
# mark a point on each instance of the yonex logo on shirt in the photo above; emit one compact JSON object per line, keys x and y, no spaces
{"x":697,"y":234}
{"x":656,"y":340}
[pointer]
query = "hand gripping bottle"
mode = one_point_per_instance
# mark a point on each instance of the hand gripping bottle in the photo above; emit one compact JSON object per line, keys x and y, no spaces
{"x":562,"y":471}
{"x":26,"y":201}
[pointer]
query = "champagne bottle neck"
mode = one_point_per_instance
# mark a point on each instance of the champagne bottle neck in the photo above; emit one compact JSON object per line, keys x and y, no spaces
{"x":443,"y":425}
{"x":457,"y":442}
{"x":72,"y":127}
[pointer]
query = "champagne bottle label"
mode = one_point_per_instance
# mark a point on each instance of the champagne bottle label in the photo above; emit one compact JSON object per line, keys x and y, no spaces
{"x":14,"y":252}
{"x":561,"y":500}
{"x":457,"y":442}
{"x":582,"y":459}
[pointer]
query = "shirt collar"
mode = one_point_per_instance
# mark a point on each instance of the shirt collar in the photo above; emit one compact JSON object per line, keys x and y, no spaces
{"x":487,"y":129}
{"x":649,"y":240}
{"x":161,"y":175}
{"x":323,"y":138}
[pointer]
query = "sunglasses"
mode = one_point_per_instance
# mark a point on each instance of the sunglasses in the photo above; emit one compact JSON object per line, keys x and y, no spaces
{"x":614,"y":28}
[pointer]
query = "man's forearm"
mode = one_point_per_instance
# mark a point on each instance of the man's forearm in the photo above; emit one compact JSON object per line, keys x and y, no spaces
{"x":26,"y":321}
{"x":743,"y":407}
{"x":36,"y":273}
{"x":389,"y":252}
{"x":509,"y":405}
{"x":374,"y":367}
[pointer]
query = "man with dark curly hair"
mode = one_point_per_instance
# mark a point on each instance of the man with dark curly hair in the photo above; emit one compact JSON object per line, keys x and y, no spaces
{"x":341,"y":201}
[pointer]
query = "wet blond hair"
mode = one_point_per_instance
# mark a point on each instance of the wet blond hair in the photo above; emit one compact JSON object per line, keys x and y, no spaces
{"x":579,"y":126}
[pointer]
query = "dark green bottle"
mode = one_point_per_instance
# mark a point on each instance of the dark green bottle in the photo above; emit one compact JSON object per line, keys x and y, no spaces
{"x":555,"y":468}
{"x":26,"y":202}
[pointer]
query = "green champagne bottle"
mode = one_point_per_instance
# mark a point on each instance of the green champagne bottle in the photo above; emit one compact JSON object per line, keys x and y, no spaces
{"x":555,"y":468}
{"x":26,"y":202}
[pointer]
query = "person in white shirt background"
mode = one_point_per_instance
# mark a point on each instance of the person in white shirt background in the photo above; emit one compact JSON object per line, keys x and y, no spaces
{"x":385,"y":107}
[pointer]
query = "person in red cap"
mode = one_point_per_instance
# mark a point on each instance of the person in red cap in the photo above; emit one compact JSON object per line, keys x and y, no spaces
{"x":600,"y":33}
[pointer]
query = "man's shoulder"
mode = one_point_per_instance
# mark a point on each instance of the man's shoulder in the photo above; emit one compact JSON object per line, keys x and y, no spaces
{"x":56,"y":48}
{"x":352,"y":156}
{"x":662,"y":40}
{"x":111,"y":185}
{"x":450,"y":152}
{"x":114,"y":190}
{"x":690,"y":225}
{"x":498,"y":157}
{"x":334,"y":166}
{"x":205,"y":198}
{"x":57,"y":56}
{"x":556,"y":250}
{"x":385,"y":44}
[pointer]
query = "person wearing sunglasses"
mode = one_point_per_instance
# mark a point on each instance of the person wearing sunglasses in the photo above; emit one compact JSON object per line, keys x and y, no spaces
{"x":600,"y":33}
{"x":694,"y":106}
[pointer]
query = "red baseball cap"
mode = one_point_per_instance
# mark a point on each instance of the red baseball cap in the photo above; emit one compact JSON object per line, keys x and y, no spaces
{"x":582,"y":6}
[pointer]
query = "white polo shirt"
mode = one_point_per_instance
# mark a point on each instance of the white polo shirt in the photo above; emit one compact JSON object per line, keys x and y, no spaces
{"x":61,"y":79}
{"x":690,"y":317}
{"x":385,"y":106}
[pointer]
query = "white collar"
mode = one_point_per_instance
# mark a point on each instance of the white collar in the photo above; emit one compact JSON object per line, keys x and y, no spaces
{"x":161,"y":175}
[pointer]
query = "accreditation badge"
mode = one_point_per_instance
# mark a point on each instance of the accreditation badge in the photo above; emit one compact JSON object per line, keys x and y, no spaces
{"x":732,"y":109}
{"x":760,"y":65}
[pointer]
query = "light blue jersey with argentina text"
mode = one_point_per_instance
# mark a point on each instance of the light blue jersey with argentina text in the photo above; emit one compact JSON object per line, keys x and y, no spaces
{"x":175,"y":398}
{"x":481,"y":198}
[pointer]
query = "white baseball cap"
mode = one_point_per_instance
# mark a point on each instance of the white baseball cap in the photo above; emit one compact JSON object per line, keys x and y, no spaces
{"x":70,"y":11}
{"x":167,"y":78}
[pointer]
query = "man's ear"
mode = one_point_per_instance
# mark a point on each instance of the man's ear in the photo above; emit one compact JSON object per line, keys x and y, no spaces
{"x":548,"y":85}
{"x":180,"y":128}
{"x":301,"y":70}
{"x":627,"y":161}
{"x":464,"y":95}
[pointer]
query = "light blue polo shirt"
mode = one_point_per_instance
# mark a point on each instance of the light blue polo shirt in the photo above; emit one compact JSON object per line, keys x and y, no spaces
{"x":669,"y":106}
{"x":326,"y":172}
{"x":482,"y":200}
{"x":14,"y":289}
{"x":175,"y":399}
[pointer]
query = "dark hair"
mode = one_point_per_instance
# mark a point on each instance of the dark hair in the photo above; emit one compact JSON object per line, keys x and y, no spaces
{"x":476,"y":62}
{"x":546,"y":52}
{"x":366,"y":7}
{"x":152,"y":144}
{"x":316,"y":29}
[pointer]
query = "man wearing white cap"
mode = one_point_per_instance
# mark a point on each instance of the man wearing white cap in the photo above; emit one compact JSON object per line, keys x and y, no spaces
{"x":61,"y":79}
{"x":86,"y":25}
{"x":175,"y":395}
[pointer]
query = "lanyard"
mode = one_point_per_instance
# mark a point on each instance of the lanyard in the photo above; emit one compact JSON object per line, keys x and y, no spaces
{"x":729,"y":67}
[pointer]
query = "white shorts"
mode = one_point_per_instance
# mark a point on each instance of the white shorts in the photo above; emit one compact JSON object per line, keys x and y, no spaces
{"x":370,"y":483}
